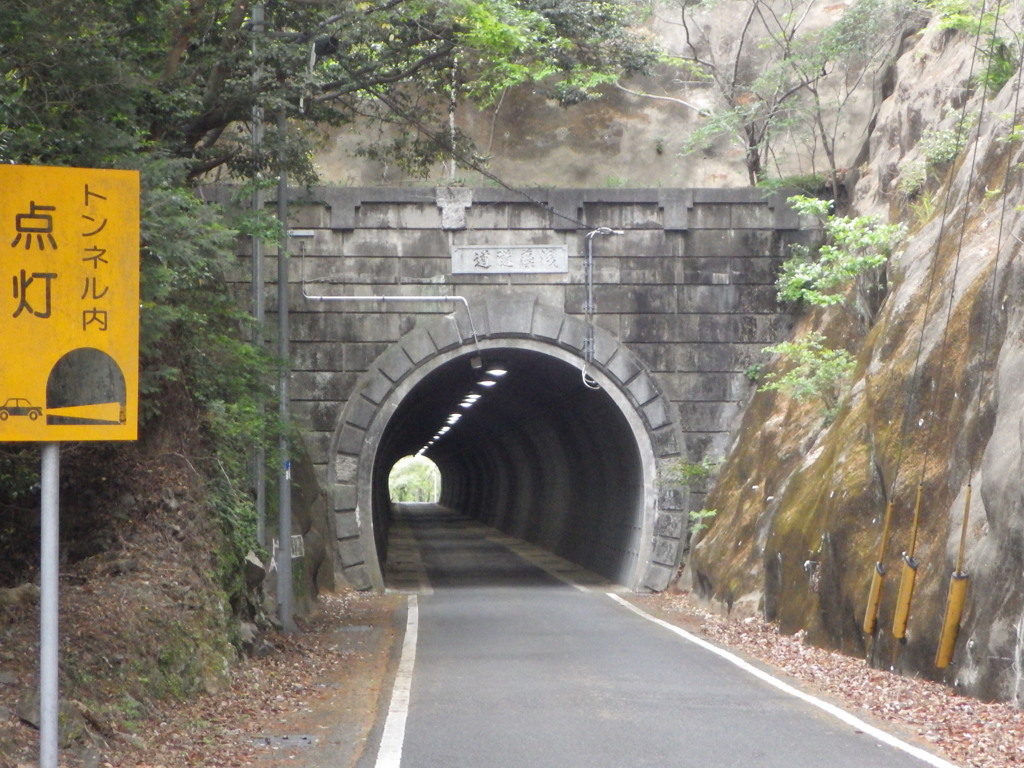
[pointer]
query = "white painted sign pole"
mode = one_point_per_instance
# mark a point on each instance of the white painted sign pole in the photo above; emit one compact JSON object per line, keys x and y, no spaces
{"x":49,"y":586}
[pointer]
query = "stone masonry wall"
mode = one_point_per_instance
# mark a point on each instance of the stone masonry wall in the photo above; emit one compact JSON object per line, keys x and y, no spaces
{"x":688,"y":287}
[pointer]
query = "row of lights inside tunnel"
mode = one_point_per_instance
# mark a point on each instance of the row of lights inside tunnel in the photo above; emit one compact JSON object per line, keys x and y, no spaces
{"x":492,"y":375}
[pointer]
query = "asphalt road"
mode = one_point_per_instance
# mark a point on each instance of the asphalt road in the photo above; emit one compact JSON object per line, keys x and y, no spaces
{"x":520,"y":660}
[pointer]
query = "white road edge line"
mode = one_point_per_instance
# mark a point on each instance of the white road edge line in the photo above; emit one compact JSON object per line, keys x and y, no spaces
{"x":390,"y":753}
{"x":824,"y":706}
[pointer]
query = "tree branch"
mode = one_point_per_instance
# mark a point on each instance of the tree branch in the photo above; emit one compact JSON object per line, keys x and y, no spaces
{"x":355,"y":81}
{"x":700,"y":111}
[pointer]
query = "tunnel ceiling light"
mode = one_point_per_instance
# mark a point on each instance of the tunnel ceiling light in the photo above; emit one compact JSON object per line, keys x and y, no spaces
{"x":453,"y":418}
{"x":443,"y":431}
{"x":497,"y":371}
{"x":487,"y":383}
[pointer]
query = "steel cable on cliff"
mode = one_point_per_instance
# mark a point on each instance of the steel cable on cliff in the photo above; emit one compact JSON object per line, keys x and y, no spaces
{"x":957,"y":591}
{"x":910,"y":565}
{"x":956,"y":595}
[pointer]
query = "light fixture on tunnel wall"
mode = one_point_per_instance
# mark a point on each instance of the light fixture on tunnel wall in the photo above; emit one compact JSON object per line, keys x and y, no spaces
{"x":494,"y":371}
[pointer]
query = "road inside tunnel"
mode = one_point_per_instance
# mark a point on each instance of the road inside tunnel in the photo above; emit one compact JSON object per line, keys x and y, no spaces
{"x":524,"y":445}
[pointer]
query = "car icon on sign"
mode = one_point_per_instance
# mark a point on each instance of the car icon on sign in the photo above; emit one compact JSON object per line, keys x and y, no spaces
{"x":19,"y":406}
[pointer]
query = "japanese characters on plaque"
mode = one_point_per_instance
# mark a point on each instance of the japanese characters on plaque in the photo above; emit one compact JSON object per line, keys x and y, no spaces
{"x":509,"y":259}
{"x":69,"y":303}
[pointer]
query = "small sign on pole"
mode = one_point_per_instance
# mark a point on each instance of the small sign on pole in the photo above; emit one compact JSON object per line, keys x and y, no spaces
{"x":69,"y":304}
{"x":69,"y":319}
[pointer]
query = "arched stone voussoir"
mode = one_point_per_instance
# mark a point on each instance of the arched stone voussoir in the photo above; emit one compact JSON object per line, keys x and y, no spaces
{"x":573,"y":335}
{"x":446,"y":333}
{"x":547,"y":322}
{"x":606,"y":345}
{"x":510,"y":316}
{"x":418,"y":345}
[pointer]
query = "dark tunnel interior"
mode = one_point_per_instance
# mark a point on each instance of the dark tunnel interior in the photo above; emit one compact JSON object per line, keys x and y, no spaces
{"x":537,"y":454}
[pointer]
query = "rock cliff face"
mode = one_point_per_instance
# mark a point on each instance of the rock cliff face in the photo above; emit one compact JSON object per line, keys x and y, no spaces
{"x":937,"y":402}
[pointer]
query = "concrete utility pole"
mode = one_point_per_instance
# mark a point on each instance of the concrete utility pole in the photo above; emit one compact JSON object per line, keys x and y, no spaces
{"x":258,"y":302}
{"x":283,"y":555}
{"x":284,"y":511}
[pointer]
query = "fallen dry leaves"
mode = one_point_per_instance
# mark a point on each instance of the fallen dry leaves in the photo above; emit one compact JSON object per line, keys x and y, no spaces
{"x":279,"y":707}
{"x":968,"y":732}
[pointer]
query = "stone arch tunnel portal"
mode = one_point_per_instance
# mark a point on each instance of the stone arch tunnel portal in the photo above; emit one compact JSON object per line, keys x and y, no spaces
{"x":525,"y":444}
{"x":671,"y":315}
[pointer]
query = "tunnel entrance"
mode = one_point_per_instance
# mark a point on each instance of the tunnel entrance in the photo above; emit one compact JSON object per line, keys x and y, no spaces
{"x":561,"y":460}
{"x":534,"y":451}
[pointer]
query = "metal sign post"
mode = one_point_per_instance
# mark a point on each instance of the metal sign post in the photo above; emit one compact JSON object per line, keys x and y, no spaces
{"x":49,"y":586}
{"x":69,"y":253}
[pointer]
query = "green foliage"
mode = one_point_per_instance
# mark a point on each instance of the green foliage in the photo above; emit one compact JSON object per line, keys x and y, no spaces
{"x":414,"y":478}
{"x":811,"y":184}
{"x":940,"y":146}
{"x":999,"y":44}
{"x":937,"y":148}
{"x":923,"y":207}
{"x":497,"y":34}
{"x":700,"y":519}
{"x":1002,"y":60}
{"x":1016,"y":133}
{"x":195,"y":350}
{"x":183,"y":79}
{"x":19,"y":502}
{"x":814,"y":372}
{"x":913,"y":177}
{"x":854,"y":253}
{"x":720,"y":123}
{"x":687,"y":473}
{"x":616,"y":182}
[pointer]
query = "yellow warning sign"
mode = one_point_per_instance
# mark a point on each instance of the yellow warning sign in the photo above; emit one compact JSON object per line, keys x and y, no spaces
{"x":69,"y":304}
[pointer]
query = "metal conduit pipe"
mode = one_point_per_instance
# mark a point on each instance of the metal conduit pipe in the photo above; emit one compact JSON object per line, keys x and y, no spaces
{"x":591,"y":307}
{"x":383,"y":299}
{"x":420,"y":299}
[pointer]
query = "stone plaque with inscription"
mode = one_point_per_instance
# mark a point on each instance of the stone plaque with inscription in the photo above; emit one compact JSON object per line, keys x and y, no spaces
{"x":509,"y":259}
